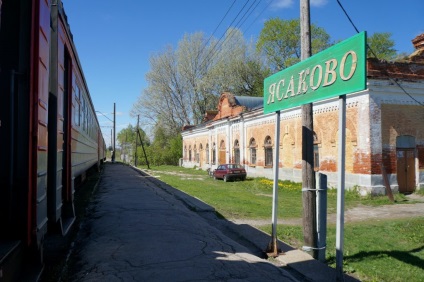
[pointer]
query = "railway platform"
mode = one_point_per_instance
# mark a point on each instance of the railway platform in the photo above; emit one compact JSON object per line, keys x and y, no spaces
{"x":141,"y":229}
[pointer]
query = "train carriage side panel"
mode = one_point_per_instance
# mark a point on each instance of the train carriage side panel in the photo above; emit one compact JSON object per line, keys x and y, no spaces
{"x":39,"y":91}
{"x":84,"y":143}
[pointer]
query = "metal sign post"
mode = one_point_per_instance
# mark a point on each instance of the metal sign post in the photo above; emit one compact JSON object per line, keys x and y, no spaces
{"x":341,"y":187}
{"x":336,"y":71}
{"x":273,"y":246}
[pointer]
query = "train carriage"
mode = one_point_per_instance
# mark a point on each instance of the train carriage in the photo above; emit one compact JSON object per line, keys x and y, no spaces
{"x":49,"y":133}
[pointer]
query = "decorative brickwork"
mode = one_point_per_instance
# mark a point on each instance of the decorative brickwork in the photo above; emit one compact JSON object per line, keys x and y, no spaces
{"x":376,"y":119}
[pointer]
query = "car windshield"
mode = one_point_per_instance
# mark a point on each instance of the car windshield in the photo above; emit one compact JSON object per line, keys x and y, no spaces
{"x":234,"y":166}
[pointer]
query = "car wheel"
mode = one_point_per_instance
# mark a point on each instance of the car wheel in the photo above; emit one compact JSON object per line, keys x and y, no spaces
{"x":226,"y":178}
{"x":243,"y":178}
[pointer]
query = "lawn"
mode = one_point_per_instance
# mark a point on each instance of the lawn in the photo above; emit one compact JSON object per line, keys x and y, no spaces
{"x":252,"y":199}
{"x":383,"y":250}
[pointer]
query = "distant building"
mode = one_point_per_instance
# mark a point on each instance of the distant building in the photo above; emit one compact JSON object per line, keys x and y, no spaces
{"x":384,"y":130}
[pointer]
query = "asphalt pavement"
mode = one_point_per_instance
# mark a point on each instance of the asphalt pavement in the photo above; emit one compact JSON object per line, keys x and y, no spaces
{"x":140,"y":229}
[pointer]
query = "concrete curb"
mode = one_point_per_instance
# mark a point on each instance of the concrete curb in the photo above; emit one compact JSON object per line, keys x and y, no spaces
{"x":299,"y":261}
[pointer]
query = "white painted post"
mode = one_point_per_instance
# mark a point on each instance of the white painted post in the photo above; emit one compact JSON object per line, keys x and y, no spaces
{"x":341,"y":187}
{"x":273,"y":245}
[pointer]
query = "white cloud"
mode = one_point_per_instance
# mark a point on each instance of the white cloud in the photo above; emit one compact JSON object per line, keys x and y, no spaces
{"x":318,"y":3}
{"x":281,"y":4}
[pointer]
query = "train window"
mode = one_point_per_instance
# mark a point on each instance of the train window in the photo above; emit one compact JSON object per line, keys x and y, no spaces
{"x":82,"y":111}
{"x":77,"y":105}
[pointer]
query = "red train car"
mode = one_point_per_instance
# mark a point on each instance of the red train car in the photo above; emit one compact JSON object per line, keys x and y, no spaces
{"x":49,"y":133}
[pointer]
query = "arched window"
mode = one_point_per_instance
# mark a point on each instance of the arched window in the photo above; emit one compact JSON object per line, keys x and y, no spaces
{"x":189,"y":153}
{"x":236,"y":152}
{"x":195,"y":154}
{"x":213,"y":153}
{"x":198,"y":153}
{"x":252,"y":148}
{"x":268,"y":151}
{"x":207,"y":153}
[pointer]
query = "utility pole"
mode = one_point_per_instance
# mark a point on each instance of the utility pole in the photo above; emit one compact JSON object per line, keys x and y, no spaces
{"x":141,"y":142}
{"x":136,"y":144}
{"x":114,"y":132}
{"x":308,"y":174}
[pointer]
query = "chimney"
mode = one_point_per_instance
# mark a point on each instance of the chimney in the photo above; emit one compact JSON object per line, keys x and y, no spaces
{"x":418,"y":55}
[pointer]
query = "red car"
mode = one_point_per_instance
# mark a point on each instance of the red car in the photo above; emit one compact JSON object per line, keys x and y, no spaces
{"x":229,"y":171}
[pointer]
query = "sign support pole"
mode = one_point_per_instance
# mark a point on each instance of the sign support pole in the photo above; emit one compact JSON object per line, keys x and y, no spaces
{"x":272,"y":249}
{"x":308,"y":173}
{"x":341,"y":187}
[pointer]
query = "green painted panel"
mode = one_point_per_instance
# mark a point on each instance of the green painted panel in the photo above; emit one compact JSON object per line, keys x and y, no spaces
{"x":338,"y":70}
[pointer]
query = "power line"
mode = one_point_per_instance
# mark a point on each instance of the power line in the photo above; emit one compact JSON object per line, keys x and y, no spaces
{"x":210,"y":37}
{"x":372,"y":51}
{"x":263,"y":10}
{"x":104,"y":115}
{"x":214,"y":48}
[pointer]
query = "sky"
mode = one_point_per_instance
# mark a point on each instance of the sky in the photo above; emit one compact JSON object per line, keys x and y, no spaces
{"x":115,"y":39}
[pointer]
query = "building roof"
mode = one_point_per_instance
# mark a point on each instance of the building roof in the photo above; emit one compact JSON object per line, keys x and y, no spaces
{"x":249,"y":102}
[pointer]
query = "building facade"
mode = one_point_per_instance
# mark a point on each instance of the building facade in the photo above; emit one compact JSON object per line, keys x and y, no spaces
{"x":384,"y":132}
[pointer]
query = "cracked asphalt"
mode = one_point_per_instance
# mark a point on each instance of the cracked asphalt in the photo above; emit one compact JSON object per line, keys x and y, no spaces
{"x":136,"y":231}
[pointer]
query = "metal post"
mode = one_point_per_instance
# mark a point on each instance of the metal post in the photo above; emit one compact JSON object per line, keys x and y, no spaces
{"x":321,"y":216}
{"x":114,"y":132}
{"x":273,"y":246}
{"x":341,"y":187}
{"x":308,"y":174}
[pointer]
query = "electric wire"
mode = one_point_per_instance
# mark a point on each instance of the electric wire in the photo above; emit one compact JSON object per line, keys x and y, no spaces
{"x":263,"y":10}
{"x":232,"y":31}
{"x":216,"y":28}
{"x":211,"y":54}
{"x":372,"y":51}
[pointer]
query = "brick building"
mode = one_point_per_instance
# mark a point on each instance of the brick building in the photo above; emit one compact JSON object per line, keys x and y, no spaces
{"x":384,"y":130}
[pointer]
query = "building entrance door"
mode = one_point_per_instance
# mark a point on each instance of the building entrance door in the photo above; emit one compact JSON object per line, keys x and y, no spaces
{"x":406,"y":170}
{"x":405,"y":153}
{"x":221,"y":157}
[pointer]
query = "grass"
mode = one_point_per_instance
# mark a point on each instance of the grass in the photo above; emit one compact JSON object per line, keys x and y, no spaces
{"x":373,"y":251}
{"x":252,"y":199}
{"x":383,"y":250}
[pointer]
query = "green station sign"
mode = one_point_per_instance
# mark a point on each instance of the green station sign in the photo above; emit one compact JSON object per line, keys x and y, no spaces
{"x":338,"y":70}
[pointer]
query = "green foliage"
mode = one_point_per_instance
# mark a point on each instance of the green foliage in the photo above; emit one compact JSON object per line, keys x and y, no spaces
{"x":381,"y":46}
{"x":279,"y":41}
{"x":186,"y":81}
{"x":165,"y":149}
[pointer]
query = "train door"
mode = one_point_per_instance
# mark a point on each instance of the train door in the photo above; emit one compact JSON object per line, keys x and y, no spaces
{"x":39,"y":93}
{"x":405,"y":153}
{"x":68,"y":211}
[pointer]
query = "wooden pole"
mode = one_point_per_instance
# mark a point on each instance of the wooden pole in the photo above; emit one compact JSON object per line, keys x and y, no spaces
{"x":308,"y":174}
{"x":136,"y":144}
{"x":142,"y":145}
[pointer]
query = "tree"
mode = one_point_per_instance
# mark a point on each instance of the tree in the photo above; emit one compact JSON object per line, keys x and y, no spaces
{"x":166,"y":149}
{"x":239,"y":68}
{"x":127,"y":139}
{"x":381,"y":46}
{"x":184,"y":83}
{"x":279,"y":42}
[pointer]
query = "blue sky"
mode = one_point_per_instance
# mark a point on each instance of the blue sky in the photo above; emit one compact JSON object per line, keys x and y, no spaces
{"x":115,"y":39}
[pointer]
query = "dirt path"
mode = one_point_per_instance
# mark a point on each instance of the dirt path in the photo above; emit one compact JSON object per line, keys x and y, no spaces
{"x":359,"y":213}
